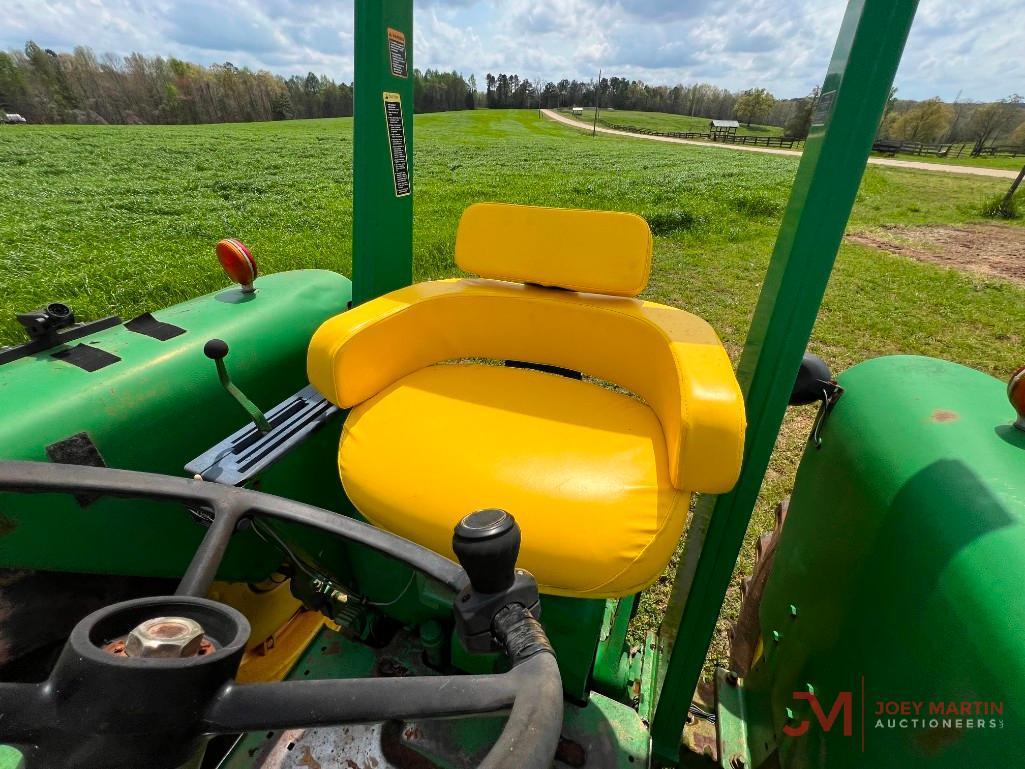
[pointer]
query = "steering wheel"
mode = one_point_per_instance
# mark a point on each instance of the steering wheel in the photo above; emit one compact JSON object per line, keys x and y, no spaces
{"x":101,"y":708}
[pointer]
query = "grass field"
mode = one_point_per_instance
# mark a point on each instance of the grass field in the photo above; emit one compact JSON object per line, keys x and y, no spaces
{"x":123,"y":219}
{"x":667,"y":123}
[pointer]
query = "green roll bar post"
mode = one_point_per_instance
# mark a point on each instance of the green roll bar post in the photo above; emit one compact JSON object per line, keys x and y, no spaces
{"x":857,"y":85}
{"x":382,"y":210}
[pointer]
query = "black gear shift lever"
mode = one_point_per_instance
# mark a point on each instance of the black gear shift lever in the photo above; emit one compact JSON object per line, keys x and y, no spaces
{"x":487,"y":544}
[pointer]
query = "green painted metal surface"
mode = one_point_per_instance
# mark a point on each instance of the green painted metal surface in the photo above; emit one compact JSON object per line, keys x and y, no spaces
{"x":11,"y":758}
{"x":154,"y":410}
{"x":904,"y":553}
{"x":855,"y":89}
{"x":573,"y":626}
{"x":612,"y":662}
{"x":732,"y":723}
{"x":382,"y":216}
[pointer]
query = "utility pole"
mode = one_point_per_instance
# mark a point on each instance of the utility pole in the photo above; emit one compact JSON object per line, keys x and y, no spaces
{"x":597,"y":104}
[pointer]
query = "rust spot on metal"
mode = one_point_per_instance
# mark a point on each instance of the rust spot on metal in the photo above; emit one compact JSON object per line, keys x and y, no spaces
{"x":389,"y":668}
{"x":570,"y":752}
{"x":942,"y":415}
{"x":307,"y":759}
{"x":6,"y":525}
{"x":117,"y":648}
{"x":398,"y":755}
{"x":332,"y":649}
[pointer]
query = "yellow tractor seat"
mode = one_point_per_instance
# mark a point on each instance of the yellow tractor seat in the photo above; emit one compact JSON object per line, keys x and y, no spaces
{"x":599,"y":480}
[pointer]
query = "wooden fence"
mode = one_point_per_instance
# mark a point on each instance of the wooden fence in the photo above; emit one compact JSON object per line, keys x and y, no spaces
{"x":954,"y":150}
{"x":785,"y":142}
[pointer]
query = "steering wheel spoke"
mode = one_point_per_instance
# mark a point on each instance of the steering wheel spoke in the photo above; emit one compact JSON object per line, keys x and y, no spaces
{"x":207,"y":560}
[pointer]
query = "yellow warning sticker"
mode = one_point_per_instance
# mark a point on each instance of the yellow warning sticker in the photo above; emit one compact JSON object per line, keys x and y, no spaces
{"x":397,"y":142}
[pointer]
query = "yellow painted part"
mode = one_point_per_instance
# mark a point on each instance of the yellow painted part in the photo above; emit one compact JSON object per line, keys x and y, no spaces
{"x":272,"y":660}
{"x":267,"y":611}
{"x":670,"y":358}
{"x":759,"y":651}
{"x":602,"y":252}
{"x":281,"y":628}
{"x":583,"y":470}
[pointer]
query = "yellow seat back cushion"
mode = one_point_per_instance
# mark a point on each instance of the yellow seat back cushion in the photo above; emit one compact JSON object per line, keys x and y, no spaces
{"x":603,"y":252}
{"x":582,"y":469}
{"x":670,"y":358}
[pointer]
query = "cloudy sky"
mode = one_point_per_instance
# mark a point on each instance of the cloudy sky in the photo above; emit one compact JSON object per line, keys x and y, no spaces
{"x":956,"y":46}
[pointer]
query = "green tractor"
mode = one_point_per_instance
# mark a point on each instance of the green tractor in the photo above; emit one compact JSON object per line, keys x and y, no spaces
{"x":428,"y":553}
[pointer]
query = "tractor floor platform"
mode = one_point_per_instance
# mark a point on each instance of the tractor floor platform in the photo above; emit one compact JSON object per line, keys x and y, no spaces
{"x":603,"y":734}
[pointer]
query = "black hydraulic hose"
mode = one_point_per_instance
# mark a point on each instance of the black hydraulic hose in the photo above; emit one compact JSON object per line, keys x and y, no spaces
{"x":520,"y":634}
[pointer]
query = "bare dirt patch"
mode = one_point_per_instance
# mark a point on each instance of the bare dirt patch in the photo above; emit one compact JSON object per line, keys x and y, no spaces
{"x":990,"y":249}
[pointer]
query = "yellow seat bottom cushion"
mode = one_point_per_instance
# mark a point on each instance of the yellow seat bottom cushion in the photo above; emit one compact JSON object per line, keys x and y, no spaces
{"x":583,"y":470}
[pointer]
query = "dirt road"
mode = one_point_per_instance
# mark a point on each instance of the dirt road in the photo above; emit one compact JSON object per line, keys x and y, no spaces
{"x":999,"y":173}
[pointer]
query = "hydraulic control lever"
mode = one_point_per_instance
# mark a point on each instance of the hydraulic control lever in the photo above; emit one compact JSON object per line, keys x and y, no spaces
{"x":498,"y":598}
{"x":217,"y":350}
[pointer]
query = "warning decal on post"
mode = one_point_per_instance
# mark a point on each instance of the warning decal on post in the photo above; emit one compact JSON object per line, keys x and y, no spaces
{"x":397,"y":53}
{"x":397,"y":141}
{"x":823,"y":108}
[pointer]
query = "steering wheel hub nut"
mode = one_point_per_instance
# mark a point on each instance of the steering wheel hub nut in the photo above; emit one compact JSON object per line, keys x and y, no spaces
{"x":167,"y":638}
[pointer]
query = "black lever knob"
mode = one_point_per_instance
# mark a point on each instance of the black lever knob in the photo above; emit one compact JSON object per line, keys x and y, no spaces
{"x":487,"y":544}
{"x":216,"y":349}
{"x":813,"y":380}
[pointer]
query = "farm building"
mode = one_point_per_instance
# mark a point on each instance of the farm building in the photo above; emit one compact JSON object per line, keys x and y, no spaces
{"x":723,"y":129}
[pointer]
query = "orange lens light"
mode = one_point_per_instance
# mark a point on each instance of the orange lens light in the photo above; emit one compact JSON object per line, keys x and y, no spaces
{"x":237,"y":261}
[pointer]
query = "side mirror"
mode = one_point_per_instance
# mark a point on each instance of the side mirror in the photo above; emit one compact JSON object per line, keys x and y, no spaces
{"x":814,"y":382}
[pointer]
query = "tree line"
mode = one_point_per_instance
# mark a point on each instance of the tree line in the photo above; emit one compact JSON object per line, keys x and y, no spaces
{"x":934,"y":121}
{"x":702,"y":99}
{"x":80,"y":87}
{"x":928,"y":121}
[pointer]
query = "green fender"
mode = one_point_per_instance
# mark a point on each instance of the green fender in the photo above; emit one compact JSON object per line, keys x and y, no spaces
{"x":899,"y":577}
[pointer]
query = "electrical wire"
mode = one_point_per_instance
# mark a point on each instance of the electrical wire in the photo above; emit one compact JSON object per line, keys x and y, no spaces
{"x":396,"y":598}
{"x":264,"y":531}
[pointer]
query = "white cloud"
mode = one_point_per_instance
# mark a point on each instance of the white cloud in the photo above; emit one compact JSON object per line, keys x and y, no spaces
{"x":954,"y":47}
